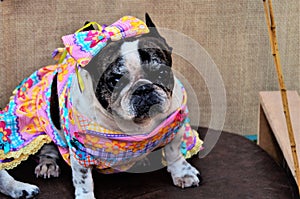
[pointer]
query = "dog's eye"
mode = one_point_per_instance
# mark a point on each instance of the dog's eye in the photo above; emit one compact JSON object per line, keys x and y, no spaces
{"x":162,"y":74}
{"x":112,"y":82}
{"x":117,"y":82}
{"x":163,"y":77}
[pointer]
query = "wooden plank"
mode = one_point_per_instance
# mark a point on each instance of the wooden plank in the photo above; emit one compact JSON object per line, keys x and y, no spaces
{"x":266,"y":139}
{"x":271,"y":104}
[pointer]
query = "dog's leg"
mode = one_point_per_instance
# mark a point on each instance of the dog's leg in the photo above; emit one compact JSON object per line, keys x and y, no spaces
{"x":82,"y":180}
{"x":16,"y":189}
{"x":183,"y":174}
{"x":47,"y":162}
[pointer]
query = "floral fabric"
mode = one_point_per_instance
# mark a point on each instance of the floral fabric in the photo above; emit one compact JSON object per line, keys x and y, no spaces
{"x":25,"y":123}
{"x":83,"y":46}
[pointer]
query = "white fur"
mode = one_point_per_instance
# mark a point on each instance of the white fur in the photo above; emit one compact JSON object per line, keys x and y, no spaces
{"x":16,"y":189}
{"x":183,"y":174}
{"x":84,"y":186}
{"x":131,"y":56}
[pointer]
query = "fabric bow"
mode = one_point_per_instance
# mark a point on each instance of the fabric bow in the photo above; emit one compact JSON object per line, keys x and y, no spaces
{"x":83,"y":46}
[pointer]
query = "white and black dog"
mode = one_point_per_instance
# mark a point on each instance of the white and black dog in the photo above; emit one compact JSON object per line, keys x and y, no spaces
{"x":129,"y":87}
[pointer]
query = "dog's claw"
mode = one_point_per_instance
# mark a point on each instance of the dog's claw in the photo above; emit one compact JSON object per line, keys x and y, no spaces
{"x":47,"y":164}
{"x":47,"y":170}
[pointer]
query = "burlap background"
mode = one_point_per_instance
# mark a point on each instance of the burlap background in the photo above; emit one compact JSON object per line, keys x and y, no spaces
{"x":233,"y":33}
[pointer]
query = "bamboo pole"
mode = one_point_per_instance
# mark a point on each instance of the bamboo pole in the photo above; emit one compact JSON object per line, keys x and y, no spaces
{"x":275,"y":52}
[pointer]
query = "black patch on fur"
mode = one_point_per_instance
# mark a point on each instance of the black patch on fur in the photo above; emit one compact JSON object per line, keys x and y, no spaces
{"x":84,"y":176}
{"x":102,"y":60}
{"x":184,"y":163}
{"x":35,"y":192}
{"x":54,"y":104}
{"x":25,"y":193}
{"x":84,"y":171}
{"x":84,"y":191}
{"x":111,"y":82}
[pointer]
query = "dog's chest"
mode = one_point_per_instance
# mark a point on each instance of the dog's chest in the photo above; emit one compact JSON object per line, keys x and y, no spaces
{"x":106,"y":149}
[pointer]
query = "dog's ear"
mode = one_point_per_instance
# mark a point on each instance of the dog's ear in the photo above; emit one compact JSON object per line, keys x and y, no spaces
{"x":151,"y":25}
{"x":153,"y":30}
{"x":90,"y":27}
{"x":149,"y":21}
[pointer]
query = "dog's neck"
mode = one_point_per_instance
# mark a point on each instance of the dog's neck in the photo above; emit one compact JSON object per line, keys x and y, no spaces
{"x":87,"y":104}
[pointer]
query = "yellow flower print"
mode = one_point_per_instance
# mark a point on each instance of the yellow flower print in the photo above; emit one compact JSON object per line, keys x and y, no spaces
{"x":115,"y":147}
{"x":42,"y":122}
{"x":93,"y":142}
{"x":62,"y":72}
{"x":71,"y":118}
{"x":26,"y":110}
{"x":32,"y":127}
{"x":121,"y":145}
{"x":6,"y":132}
{"x":23,"y":90}
{"x":136,"y":146}
{"x":40,"y":103}
{"x":46,"y":70}
{"x":160,"y":134}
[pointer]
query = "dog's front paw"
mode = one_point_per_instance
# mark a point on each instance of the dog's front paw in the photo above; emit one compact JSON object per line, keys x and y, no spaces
{"x":23,"y":190}
{"x":89,"y":195}
{"x":183,"y":174}
{"x":47,"y":168}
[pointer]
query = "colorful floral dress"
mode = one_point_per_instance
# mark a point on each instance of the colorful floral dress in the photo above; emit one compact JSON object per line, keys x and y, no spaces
{"x":26,"y":125}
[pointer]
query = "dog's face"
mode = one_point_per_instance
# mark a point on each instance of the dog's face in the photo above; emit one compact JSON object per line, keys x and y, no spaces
{"x":133,"y":79}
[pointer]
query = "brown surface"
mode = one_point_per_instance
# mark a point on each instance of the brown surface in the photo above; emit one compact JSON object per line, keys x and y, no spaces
{"x":235,"y":169}
{"x":233,"y":32}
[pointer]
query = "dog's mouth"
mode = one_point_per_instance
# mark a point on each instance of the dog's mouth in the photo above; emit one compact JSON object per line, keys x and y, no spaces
{"x":145,"y":116}
{"x":141,"y":104}
{"x":141,"y":120}
{"x":147,"y":101}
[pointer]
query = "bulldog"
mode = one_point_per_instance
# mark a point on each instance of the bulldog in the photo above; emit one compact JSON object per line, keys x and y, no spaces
{"x":110,"y":101}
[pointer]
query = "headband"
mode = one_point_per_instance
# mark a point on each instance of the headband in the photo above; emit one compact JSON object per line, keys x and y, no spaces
{"x":84,"y":45}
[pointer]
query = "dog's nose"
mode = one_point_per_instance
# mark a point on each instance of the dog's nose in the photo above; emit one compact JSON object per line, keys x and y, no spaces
{"x":144,"y":89}
{"x":146,"y":101}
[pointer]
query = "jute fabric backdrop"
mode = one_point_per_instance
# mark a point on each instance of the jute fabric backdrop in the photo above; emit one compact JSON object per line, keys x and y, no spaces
{"x":234,"y":34}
